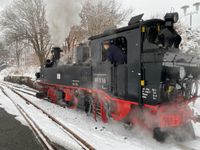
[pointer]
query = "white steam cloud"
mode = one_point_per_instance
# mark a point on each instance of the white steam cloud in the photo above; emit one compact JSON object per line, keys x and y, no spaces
{"x":61,"y":15}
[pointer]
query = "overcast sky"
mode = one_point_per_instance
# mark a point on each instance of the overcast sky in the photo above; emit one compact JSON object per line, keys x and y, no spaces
{"x":152,"y":7}
{"x":3,"y":3}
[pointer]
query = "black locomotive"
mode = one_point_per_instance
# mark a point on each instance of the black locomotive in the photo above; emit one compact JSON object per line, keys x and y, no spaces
{"x":150,"y":88}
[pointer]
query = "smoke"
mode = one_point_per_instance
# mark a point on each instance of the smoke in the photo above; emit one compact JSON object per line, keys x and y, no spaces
{"x":182,"y":132}
{"x":61,"y":15}
{"x":66,"y":60}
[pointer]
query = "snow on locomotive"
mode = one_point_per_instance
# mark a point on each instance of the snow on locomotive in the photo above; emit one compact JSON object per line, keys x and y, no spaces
{"x":151,"y":88}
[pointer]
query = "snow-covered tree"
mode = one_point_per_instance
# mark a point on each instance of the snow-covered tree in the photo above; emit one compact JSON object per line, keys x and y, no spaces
{"x":3,"y":52}
{"x":190,"y":39}
{"x":26,"y":20}
{"x":100,"y":15}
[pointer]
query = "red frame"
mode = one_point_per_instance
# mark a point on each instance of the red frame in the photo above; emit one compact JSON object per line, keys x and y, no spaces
{"x":164,"y":118}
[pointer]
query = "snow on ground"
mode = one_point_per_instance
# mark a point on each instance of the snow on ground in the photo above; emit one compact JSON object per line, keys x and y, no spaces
{"x":102,"y":136}
{"x":28,"y":71}
{"x":52,"y":130}
{"x":10,"y":108}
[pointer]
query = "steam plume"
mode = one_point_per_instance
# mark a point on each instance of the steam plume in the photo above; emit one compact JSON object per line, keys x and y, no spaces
{"x":61,"y":15}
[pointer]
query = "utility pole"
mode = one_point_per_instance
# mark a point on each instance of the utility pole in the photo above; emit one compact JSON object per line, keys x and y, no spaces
{"x":185,"y":8}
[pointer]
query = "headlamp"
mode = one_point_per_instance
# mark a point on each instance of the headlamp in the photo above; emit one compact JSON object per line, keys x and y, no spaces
{"x":173,"y":17}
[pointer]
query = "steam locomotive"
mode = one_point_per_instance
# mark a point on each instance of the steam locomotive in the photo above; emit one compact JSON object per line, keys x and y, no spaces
{"x":152,"y":89}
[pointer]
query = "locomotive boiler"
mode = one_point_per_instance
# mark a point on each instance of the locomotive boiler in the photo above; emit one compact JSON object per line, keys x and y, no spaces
{"x":151,"y":89}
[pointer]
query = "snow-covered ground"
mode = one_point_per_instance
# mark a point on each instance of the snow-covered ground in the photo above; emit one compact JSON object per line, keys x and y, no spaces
{"x":52,"y":130}
{"x":102,"y":136}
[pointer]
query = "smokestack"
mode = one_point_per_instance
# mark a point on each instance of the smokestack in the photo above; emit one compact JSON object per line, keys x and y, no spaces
{"x":56,"y":53}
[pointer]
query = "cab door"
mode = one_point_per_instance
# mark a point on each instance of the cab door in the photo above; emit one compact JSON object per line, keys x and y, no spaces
{"x":134,"y":64}
{"x":120,"y":80}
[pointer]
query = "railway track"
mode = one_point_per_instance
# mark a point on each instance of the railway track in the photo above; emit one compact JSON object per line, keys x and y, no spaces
{"x":184,"y":146}
{"x":81,"y":142}
{"x":45,"y":141}
{"x":19,"y":86}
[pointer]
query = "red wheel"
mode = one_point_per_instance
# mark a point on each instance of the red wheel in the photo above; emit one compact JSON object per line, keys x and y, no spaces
{"x":72,"y":104}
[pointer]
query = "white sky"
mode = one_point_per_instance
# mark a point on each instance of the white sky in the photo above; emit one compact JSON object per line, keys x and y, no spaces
{"x":152,"y":7}
{"x":3,"y":3}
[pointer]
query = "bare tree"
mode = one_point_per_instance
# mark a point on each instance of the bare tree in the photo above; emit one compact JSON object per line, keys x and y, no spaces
{"x":100,"y":15}
{"x":26,"y":20}
{"x":15,"y":45}
{"x":4,"y":54}
{"x":75,"y":36}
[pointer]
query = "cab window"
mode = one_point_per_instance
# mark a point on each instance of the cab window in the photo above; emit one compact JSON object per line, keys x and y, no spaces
{"x":117,"y":43}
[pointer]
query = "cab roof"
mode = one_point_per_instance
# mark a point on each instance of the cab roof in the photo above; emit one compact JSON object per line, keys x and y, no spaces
{"x":127,"y":28}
